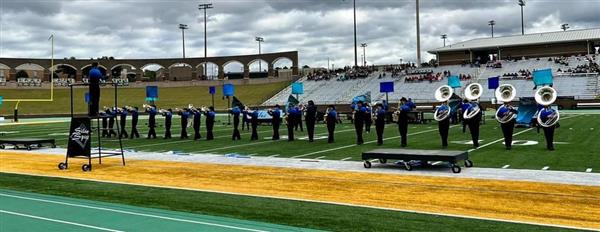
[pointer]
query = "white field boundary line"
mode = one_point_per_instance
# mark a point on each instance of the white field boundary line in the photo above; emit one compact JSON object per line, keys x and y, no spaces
{"x":30,"y":123}
{"x":515,"y":134}
{"x":255,"y":143}
{"x":59,"y":221}
{"x":130,"y":212}
{"x":317,"y":201}
{"x":353,"y":145}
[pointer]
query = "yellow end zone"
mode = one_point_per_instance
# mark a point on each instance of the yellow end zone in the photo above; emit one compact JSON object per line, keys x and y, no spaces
{"x":529,"y":202}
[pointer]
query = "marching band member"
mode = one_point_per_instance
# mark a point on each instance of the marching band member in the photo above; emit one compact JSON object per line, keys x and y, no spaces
{"x":508,"y":127}
{"x":298,"y":118}
{"x":134,"y":121}
{"x":368,"y":117}
{"x":196,"y":123}
{"x":330,"y":120}
{"x":254,"y":122}
{"x":444,"y":125}
{"x":112,"y":113}
{"x":151,"y":110}
{"x":210,"y":122}
{"x":245,"y":119}
{"x":310,"y":118}
{"x":291,"y":122}
{"x":168,"y":114}
{"x":236,"y":123}
{"x":463,"y":107}
{"x":185,"y":114}
{"x":359,"y":120}
{"x":379,"y":123}
{"x":275,"y":121}
{"x":474,"y":124}
{"x":546,"y":113}
{"x":402,"y":113}
{"x":123,"y":122}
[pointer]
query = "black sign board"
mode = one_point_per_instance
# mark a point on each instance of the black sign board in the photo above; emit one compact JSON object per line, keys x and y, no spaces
{"x":80,"y":137}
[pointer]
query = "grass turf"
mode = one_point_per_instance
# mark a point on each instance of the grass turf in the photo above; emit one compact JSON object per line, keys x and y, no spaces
{"x":168,"y":97}
{"x":286,"y":212}
{"x":576,"y":137}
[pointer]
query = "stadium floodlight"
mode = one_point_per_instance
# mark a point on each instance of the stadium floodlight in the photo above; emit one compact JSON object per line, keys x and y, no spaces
{"x":444,"y":37}
{"x":492,"y":23}
{"x":564,"y":26}
{"x":183,"y":27}
{"x":259,"y":40}
{"x":522,"y":4}
{"x":204,"y":7}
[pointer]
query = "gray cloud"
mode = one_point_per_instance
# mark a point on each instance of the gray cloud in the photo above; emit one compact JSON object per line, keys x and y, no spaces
{"x":318,"y":29}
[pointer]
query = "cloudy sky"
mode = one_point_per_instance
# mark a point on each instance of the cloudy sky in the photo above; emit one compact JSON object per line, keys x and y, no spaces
{"x":318,"y":29}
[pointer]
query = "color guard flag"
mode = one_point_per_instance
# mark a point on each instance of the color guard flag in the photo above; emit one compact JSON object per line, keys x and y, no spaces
{"x":151,"y":93}
{"x":542,"y":77}
{"x":297,"y":88}
{"x":493,"y":82}
{"x":454,"y":81}
{"x":386,"y":87}
{"x":228,"y":90}
{"x":212,"y":90}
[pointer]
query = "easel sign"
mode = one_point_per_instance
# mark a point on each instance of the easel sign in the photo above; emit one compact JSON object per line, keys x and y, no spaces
{"x":386,"y":87}
{"x":80,"y":137}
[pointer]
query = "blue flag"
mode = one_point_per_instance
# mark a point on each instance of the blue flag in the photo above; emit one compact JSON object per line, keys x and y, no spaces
{"x":542,"y":77}
{"x":454,"y":81}
{"x":297,"y":88}
{"x":493,"y":82}
{"x":366,"y":98}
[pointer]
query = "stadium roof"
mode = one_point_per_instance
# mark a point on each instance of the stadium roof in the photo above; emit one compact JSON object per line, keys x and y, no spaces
{"x":520,"y":40}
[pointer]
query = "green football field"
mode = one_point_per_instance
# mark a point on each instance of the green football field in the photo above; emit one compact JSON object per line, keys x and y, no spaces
{"x":576,"y":142}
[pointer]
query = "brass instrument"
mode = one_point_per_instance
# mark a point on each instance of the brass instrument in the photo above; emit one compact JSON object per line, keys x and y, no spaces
{"x":546,"y":96}
{"x":472,"y":92}
{"x":505,"y":93}
{"x":442,"y":94}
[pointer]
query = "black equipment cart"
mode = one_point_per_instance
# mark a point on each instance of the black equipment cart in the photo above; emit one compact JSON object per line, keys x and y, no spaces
{"x":408,"y":155}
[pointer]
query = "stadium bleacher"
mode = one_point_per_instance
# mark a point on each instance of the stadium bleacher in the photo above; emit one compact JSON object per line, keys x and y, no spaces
{"x":580,"y":85}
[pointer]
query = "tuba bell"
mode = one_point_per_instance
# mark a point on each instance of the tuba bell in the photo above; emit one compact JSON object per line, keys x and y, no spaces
{"x":505,"y":93}
{"x":472,"y":92}
{"x":442,"y":94}
{"x":546,"y":96}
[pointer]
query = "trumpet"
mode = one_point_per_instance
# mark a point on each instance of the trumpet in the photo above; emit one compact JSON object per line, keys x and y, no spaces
{"x":546,"y":96}
{"x":191,"y":107}
{"x":442,"y":94}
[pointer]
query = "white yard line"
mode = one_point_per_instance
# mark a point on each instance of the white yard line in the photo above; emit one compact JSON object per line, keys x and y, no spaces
{"x":505,"y":166}
{"x":58,"y":221}
{"x":545,"y":168}
{"x":588,"y":170}
{"x":347,"y":158}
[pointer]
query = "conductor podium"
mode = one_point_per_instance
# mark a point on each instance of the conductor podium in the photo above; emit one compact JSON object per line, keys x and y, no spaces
{"x":407,"y":156}
{"x":82,"y":132}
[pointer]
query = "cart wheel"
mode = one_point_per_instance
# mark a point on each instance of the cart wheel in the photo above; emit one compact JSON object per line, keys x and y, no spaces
{"x":86,"y":167}
{"x":39,"y":145}
{"x":468,"y":163}
{"x":407,"y":166}
{"x":53,"y":145}
{"x":367,"y":164}
{"x":29,"y":147}
{"x":2,"y":146}
{"x":455,"y":168}
{"x":63,"y":166}
{"x":382,"y":161}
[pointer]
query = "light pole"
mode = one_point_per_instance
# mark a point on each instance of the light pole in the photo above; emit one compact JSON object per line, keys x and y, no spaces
{"x":183,"y":27}
{"x":364,"y":46}
{"x":492,"y":23}
{"x":564,"y":27}
{"x":259,"y":40}
{"x":522,"y":4}
{"x":355,"y":43}
{"x":444,"y":37}
{"x":418,"y":37}
{"x":204,"y":7}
